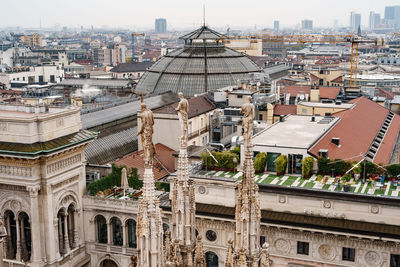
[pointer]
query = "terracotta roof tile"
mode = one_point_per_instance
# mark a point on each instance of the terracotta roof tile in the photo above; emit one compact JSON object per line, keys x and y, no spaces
{"x":296,"y":89}
{"x":197,"y":105}
{"x":284,"y":109}
{"x":357,"y":129}
{"x":329,"y":92}
{"x":162,"y":167}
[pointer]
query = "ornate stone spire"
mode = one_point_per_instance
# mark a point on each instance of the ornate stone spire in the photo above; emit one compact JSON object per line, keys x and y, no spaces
{"x":182,"y":194}
{"x":150,"y":231}
{"x":246,"y":249}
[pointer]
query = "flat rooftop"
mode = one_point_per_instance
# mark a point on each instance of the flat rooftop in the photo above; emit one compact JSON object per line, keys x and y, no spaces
{"x":326,"y":105}
{"x":22,"y":111}
{"x":295,"y":131}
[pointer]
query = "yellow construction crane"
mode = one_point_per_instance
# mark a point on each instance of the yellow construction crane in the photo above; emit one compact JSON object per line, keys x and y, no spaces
{"x":327,"y":38}
{"x":133,"y":43}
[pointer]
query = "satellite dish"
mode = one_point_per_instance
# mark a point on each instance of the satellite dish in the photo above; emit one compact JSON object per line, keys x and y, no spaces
{"x":301,"y":97}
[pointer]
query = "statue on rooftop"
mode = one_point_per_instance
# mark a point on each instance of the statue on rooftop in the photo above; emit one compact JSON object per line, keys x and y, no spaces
{"x":248,"y":121}
{"x":183,"y":109}
{"x":264,"y":258}
{"x":146,"y":134}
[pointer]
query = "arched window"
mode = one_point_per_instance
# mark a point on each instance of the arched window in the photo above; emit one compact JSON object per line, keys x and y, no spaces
{"x":101,"y":227}
{"x":211,"y":259}
{"x":117,"y":231}
{"x":25,"y":232}
{"x":132,"y":243}
{"x":108,"y":263}
{"x":11,"y":246}
{"x":71,"y":226}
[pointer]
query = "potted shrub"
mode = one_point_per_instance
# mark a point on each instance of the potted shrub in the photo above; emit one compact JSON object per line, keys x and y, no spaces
{"x":320,"y":178}
{"x":346,"y":179}
{"x":280,"y":165}
{"x":307,"y":166}
{"x":259,"y":162}
{"x":357,"y":172}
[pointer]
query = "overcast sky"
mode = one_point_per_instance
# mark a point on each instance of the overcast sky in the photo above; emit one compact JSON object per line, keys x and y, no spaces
{"x":138,"y":14}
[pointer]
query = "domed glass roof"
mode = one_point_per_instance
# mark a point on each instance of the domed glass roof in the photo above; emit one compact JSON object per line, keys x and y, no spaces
{"x":203,"y":64}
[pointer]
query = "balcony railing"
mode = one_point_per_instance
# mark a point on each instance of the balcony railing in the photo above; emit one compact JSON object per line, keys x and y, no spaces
{"x":13,"y":263}
{"x":196,"y":133}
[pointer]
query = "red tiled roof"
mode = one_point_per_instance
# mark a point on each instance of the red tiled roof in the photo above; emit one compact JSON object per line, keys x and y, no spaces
{"x":338,"y":79}
{"x":163,"y":164}
{"x":357,"y":129}
{"x":284,"y":109}
{"x":296,"y":89}
{"x":197,"y":105}
{"x":328,"y":92}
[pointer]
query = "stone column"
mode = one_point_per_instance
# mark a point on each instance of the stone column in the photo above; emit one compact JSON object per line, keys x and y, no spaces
{"x":9,"y":250}
{"x":35,"y":223}
{"x":66,"y":240}
{"x":18,"y":254}
{"x":109,"y":233}
{"x":124,"y":235}
{"x":60,"y":236}
{"x":76,"y":233}
{"x":23,"y":240}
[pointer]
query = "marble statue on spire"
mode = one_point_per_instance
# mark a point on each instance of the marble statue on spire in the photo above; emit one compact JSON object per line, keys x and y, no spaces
{"x":183,"y":110}
{"x":146,"y":135}
{"x":248,"y":120}
{"x":149,"y":226}
{"x":183,"y":205}
{"x":245,"y":251}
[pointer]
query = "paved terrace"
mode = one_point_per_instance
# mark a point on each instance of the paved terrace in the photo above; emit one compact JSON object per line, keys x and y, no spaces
{"x":357,"y":187}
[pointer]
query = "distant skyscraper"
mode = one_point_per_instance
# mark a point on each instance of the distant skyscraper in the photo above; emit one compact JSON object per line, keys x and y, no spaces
{"x":276,"y":25}
{"x":306,"y":24}
{"x":392,"y":16}
{"x":161,"y":25}
{"x":355,"y":21}
{"x":374,"y":20}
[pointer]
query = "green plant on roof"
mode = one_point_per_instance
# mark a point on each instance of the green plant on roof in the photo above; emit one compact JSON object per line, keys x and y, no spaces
{"x":222,"y":160}
{"x":307,"y":166}
{"x":281,"y":164}
{"x":323,"y":166}
{"x":346,"y":178}
{"x":393,"y":170}
{"x":236,"y":150}
{"x":114,"y":179}
{"x":259,"y":162}
{"x":320,"y":177}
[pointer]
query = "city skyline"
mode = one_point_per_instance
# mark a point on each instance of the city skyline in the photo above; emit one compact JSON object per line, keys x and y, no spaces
{"x":141,"y":15}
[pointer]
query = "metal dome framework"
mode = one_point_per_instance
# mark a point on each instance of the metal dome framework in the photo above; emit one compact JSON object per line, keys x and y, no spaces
{"x":203,"y":64}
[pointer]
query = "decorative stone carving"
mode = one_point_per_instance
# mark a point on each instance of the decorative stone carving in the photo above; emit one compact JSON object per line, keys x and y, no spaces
{"x":15,"y":171}
{"x":3,"y":127}
{"x":326,"y":252}
{"x":59,"y":122}
{"x":201,"y":189}
{"x":248,"y":120}
{"x":375,"y":209}
{"x":63,"y":164}
{"x":372,"y":258}
{"x":65,"y":182}
{"x":327,"y":204}
{"x":282,"y":245}
{"x":282,"y":199}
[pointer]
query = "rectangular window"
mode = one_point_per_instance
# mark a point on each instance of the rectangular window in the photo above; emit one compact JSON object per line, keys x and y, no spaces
{"x":349,"y":254}
{"x":303,"y":248}
{"x":394,"y":260}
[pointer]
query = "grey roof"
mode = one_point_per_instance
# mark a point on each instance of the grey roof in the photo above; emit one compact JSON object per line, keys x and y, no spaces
{"x":112,"y":147}
{"x":96,"y":82}
{"x":114,"y":113}
{"x":204,"y":33}
{"x":132,"y":67}
{"x":197,"y":68}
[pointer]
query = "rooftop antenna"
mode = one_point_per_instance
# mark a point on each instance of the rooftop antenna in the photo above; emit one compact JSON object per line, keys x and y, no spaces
{"x":204,"y":15}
